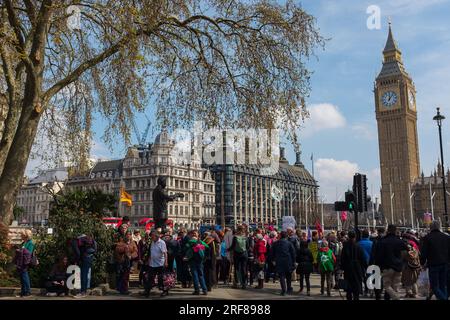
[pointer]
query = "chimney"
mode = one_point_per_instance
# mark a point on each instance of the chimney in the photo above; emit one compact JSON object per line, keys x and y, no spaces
{"x":282,"y":157}
{"x":298,"y":160}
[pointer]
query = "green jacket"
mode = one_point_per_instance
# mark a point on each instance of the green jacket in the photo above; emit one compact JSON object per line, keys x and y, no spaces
{"x":29,"y":245}
{"x":194,"y":256}
{"x":326,"y":260}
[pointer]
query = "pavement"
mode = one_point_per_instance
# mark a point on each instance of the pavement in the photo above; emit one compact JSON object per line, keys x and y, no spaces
{"x":271,"y":291}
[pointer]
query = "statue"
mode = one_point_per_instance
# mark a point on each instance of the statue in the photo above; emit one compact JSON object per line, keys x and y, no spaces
{"x":160,"y":199}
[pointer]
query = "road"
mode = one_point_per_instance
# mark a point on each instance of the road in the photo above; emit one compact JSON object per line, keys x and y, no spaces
{"x":271,"y":291}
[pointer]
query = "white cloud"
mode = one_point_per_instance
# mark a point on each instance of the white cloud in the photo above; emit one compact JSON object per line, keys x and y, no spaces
{"x":334,"y":177}
{"x":323,"y":116}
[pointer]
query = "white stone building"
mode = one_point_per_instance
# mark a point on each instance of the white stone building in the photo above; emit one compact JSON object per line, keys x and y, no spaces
{"x":143,"y":166}
{"x":35,"y":195}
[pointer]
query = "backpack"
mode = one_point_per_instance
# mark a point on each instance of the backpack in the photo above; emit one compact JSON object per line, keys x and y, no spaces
{"x":241,"y":244}
{"x":34,"y":260}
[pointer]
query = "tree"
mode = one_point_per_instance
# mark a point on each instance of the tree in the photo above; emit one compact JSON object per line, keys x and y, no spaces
{"x":234,"y":63}
{"x":18,"y":212}
{"x":72,"y":214}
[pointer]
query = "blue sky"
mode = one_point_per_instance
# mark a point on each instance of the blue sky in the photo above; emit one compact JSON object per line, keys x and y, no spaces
{"x":342,"y":132}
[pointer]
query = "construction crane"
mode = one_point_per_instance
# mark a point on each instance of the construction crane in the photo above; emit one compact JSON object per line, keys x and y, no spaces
{"x":141,"y":138}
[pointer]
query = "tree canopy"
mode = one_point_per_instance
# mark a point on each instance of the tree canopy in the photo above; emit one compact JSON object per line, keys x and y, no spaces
{"x":239,"y":63}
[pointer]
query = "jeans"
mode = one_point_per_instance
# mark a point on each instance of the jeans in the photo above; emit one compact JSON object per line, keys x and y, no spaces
{"x":25,"y":283}
{"x":240,"y":267}
{"x":325,"y":275}
{"x":391,"y":282}
{"x":198,"y":276}
{"x":286,"y":281}
{"x":438,"y":281}
{"x":85,"y":270}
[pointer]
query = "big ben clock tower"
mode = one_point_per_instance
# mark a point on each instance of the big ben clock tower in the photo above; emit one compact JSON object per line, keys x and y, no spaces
{"x":395,"y":103}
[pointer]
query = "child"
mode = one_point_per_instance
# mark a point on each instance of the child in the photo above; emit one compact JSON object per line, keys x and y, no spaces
{"x":326,"y":261}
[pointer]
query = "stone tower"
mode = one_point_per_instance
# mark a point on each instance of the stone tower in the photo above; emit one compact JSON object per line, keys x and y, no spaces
{"x":395,"y":107}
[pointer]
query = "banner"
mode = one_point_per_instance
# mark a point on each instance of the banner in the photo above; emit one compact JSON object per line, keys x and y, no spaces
{"x":427,"y":217}
{"x":288,"y":222}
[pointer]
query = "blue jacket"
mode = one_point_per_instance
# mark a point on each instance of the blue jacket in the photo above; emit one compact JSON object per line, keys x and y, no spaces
{"x":366,"y":245}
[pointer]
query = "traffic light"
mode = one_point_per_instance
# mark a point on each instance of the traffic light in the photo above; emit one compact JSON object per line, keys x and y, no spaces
{"x":350,"y":200}
{"x":360,"y":192}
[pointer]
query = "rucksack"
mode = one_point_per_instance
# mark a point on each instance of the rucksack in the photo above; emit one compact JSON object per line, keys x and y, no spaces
{"x":241,"y":244}
{"x":34,"y":260}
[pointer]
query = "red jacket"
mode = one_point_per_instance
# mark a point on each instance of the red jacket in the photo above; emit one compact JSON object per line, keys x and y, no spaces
{"x":260,"y":250}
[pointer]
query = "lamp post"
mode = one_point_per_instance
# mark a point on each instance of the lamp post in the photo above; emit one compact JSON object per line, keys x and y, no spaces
{"x":438,"y":118}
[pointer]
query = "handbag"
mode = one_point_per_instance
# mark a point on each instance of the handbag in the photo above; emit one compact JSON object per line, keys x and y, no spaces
{"x":342,"y":283}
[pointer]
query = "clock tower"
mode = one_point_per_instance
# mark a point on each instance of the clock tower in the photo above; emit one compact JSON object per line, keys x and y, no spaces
{"x":395,"y":108}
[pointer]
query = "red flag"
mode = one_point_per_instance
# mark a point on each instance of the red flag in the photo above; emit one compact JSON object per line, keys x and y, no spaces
{"x":344,"y":215}
{"x":319,"y":227}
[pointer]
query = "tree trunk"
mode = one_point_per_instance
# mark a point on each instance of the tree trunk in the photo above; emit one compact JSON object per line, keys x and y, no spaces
{"x":17,"y":157}
{"x":9,"y":130}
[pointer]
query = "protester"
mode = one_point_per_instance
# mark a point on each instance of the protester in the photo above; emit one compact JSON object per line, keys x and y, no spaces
{"x":411,"y":272}
{"x":183,"y":274}
{"x":314,"y":248}
{"x":85,"y":248}
{"x":366,"y":245}
{"x":251,"y":259}
{"x":375,"y":244}
{"x":353,"y":264}
{"x":336,"y":246}
{"x":326,"y":261}
{"x":239,"y":248}
{"x":173,"y":249}
{"x":195,"y":256}
{"x":158,"y":261}
{"x":270,"y":265}
{"x":284,"y":258}
{"x":390,"y":255}
{"x":143,"y":256}
{"x":56,"y":282}
{"x":23,"y":261}
{"x":210,"y":259}
{"x":435,"y":252}
{"x":305,"y":266}
{"x":260,"y":250}
{"x":122,"y":258}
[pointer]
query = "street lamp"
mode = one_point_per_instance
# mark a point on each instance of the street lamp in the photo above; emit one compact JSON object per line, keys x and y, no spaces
{"x":438,"y":118}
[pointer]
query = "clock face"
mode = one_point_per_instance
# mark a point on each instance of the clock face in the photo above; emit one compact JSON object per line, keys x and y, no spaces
{"x":411,"y":99}
{"x":389,"y":99}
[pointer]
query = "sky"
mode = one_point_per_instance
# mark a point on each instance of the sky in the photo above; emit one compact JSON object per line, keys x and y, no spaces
{"x":341,"y":132}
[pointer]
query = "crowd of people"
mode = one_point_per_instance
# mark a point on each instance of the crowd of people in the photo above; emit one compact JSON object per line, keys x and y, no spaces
{"x":243,"y":258}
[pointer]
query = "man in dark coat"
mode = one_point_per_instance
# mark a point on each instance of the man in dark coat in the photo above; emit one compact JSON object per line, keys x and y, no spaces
{"x":284,"y":257}
{"x":160,"y":199}
{"x":354,"y":265}
{"x":376,"y":242}
{"x":390,"y":257}
{"x":435,"y":254}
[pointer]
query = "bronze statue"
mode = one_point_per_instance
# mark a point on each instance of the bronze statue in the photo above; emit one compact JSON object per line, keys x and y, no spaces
{"x":160,"y":199}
